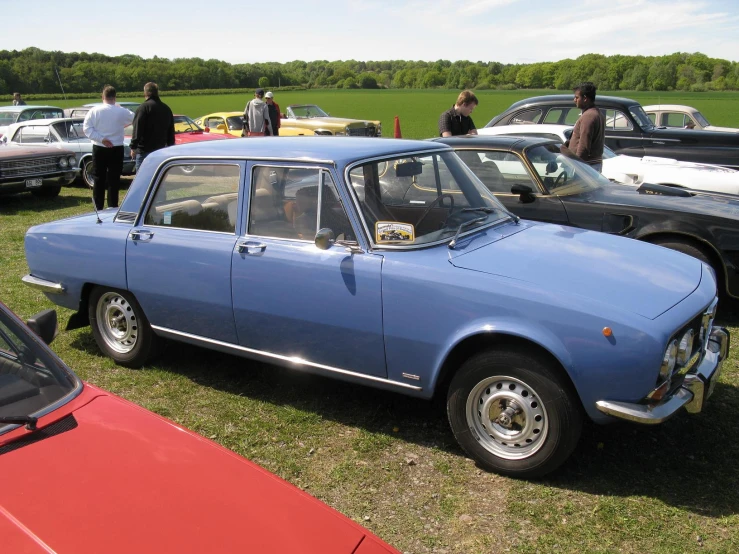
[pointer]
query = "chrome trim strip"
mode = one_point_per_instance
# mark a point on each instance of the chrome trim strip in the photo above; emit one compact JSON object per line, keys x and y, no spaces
{"x":654,"y":139}
{"x":290,"y":361}
{"x":693,"y":393}
{"x":43,"y":285}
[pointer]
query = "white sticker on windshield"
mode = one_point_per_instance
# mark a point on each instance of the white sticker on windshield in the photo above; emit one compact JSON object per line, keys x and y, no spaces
{"x":167,"y":218}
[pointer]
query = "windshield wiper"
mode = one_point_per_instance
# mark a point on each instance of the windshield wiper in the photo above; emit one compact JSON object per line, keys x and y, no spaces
{"x":489,"y":210}
{"x":464,"y":224}
{"x":30,"y":421}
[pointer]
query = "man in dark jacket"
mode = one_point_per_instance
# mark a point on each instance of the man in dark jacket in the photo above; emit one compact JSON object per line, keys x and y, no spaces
{"x":588,"y":136}
{"x":153,"y":125}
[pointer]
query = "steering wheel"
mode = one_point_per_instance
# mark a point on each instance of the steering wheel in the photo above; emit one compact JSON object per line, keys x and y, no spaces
{"x":436,"y":201}
{"x":562,"y":176}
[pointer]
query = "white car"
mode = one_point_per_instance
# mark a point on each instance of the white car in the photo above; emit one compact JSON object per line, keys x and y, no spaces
{"x":64,"y":133}
{"x":630,"y":170}
{"x":682,"y":117}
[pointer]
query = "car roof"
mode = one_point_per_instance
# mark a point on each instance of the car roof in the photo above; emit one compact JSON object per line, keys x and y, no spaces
{"x":678,"y":107}
{"x":27,"y":107}
{"x":559,"y":98}
{"x":539,"y":129}
{"x":219,"y":114}
{"x":48,"y":121}
{"x":511,"y":142}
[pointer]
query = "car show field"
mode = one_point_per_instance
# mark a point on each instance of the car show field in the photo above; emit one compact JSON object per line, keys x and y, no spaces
{"x":390,"y":462}
{"x":419,"y":110}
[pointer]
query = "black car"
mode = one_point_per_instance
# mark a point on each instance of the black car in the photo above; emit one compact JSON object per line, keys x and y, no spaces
{"x":629,"y":130}
{"x":539,"y":179}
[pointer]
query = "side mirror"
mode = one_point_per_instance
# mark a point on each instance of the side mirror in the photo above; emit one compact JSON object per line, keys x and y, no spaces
{"x":525,"y":192}
{"x":44,"y":324}
{"x":325,"y":239}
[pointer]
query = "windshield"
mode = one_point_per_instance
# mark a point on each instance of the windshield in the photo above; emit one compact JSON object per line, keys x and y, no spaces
{"x":702,"y":121}
{"x":561,"y":172}
{"x":70,"y":130}
{"x":31,"y":379}
{"x":641,"y":117}
{"x":308,"y":110}
{"x":183,"y":124}
{"x":421,"y":199}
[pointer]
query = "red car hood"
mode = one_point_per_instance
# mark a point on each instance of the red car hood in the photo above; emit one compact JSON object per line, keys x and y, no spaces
{"x":199,"y":136}
{"x":125,"y":480}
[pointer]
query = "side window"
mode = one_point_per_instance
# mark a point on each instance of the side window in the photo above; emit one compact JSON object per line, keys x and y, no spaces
{"x":572,"y":116}
{"x":562,"y":116}
{"x":285,"y":203}
{"x":526,"y":117}
{"x":499,"y":171}
{"x":616,"y":120}
{"x":213,"y":122}
{"x":34,"y":134}
{"x":652,"y":118}
{"x":202,"y":197}
{"x":674,"y":119}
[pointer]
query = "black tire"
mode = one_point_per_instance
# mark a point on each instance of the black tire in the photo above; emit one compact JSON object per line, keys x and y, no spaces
{"x":120,"y":327}
{"x":538,"y":438}
{"x":685,"y":248}
{"x":87,"y":175}
{"x":47,"y":192}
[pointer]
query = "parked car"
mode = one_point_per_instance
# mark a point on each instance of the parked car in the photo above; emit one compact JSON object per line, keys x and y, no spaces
{"x":13,"y":114}
{"x":309,"y":119}
{"x":222,"y":122}
{"x":65,"y":133}
{"x":272,"y":250}
{"x":535,"y":180}
{"x":633,"y":171}
{"x":682,"y":117}
{"x":35,"y":169}
{"x":88,"y":472}
{"x":628,"y":129}
{"x":186,"y":130}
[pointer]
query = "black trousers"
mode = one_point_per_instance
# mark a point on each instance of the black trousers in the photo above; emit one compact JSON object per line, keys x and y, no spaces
{"x":107,"y":169}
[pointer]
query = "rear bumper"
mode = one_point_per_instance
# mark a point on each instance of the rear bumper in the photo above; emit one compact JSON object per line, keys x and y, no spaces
{"x":691,"y":395}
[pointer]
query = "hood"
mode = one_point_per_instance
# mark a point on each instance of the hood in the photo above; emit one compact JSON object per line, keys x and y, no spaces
{"x":722,"y":129}
{"x":127,"y":481}
{"x":626,"y":273}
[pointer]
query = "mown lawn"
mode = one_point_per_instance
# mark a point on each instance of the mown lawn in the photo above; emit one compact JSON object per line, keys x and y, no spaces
{"x":391,"y":463}
{"x":418,"y":110}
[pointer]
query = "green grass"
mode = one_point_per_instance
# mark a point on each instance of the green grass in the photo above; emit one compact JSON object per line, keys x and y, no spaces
{"x":390,"y":462}
{"x":419,"y":110}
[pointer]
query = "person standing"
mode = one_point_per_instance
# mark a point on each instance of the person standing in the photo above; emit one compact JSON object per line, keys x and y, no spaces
{"x":153,"y":125}
{"x":256,"y":116}
{"x":17,"y":100}
{"x":589,"y":134}
{"x":274,"y":113}
{"x":457,"y":120}
{"x":104,"y":126}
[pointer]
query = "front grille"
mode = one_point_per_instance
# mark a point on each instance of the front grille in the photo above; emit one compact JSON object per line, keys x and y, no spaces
{"x":361,"y":131}
{"x":29,"y":167}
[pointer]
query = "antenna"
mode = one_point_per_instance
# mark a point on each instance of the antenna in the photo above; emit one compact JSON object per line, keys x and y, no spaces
{"x":97,"y":215}
{"x":60,"y":82}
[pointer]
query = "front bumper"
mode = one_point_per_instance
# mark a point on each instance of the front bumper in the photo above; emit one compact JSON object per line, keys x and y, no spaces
{"x":20,"y":184}
{"x":697,"y":386}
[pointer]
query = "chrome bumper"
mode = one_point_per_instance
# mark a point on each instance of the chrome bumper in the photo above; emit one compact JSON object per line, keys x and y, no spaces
{"x":43,"y":285}
{"x":692,"y":395}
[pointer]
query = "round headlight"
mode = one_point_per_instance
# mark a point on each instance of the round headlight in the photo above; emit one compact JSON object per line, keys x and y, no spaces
{"x":72,"y":161}
{"x":669,"y":360}
{"x":63,"y":163}
{"x":685,"y":348}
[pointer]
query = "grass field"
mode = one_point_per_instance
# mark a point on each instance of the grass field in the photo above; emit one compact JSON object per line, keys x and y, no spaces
{"x":418,"y":110}
{"x":390,"y":462}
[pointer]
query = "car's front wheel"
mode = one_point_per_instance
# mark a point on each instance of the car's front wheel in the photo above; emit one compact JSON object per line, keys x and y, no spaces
{"x":87,"y":175}
{"x":513,"y":413}
{"x":120,"y":327}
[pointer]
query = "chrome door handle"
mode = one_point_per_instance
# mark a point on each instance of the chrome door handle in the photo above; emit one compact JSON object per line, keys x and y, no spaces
{"x":251,"y":247}
{"x":142,"y":235}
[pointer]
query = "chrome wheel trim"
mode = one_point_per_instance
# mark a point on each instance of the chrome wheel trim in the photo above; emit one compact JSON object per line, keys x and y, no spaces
{"x":117,"y":322}
{"x":507,"y":416}
{"x":87,"y":175}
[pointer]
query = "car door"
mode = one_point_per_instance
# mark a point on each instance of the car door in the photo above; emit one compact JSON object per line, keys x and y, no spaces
{"x":500,"y":171}
{"x":623,"y":135}
{"x":294,"y":300}
{"x":178,"y":256}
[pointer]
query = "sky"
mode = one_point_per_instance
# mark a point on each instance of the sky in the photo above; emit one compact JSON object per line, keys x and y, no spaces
{"x":507,"y":31}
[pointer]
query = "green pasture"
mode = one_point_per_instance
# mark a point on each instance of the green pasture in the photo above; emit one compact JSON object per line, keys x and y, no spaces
{"x":418,"y":110}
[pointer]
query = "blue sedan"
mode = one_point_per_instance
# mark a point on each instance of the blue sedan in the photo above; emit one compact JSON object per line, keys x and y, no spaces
{"x":387,"y":262}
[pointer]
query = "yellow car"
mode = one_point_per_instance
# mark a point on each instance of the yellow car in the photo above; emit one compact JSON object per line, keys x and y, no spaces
{"x":309,"y":119}
{"x":223,"y":122}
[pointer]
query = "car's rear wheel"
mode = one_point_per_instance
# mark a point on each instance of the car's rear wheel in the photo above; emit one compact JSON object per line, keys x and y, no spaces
{"x":120,"y":327}
{"x":513,"y":413}
{"x":47,"y":192}
{"x":88,"y":176}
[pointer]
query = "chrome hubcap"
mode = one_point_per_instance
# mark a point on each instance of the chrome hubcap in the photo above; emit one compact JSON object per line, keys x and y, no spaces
{"x":117,"y":322}
{"x":508,"y":417}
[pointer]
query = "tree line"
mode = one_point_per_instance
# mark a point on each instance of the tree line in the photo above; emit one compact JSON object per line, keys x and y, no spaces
{"x":35,"y":71}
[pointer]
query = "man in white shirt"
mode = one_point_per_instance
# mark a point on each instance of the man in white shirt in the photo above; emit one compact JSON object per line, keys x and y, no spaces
{"x":104,"y":126}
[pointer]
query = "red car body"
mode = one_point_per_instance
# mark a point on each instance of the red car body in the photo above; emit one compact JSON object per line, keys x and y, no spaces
{"x":186,"y":130}
{"x":100,"y":474}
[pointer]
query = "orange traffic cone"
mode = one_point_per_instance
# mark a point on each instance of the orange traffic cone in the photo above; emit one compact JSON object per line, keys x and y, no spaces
{"x":396,"y":132}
